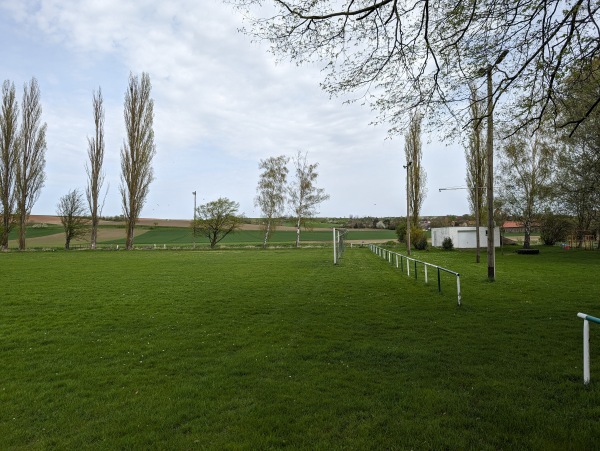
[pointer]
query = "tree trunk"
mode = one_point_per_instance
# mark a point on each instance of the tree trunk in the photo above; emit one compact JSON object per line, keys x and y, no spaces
{"x":267,"y":230}
{"x":298,"y":233}
{"x":22,"y":231}
{"x":68,"y":243}
{"x":527,"y":241}
{"x":6,"y":226}
{"x":129,"y":240}
{"x":94,"y":236}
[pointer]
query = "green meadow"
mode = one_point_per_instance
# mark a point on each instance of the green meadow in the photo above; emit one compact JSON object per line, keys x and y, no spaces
{"x":250,"y":349}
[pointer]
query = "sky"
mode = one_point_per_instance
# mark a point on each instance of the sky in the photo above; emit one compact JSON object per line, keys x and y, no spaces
{"x":221,"y":102}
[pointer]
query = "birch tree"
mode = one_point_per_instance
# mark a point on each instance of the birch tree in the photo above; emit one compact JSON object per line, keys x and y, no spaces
{"x":9,"y":148}
{"x":271,"y":192}
{"x":31,"y":159}
{"x":137,"y":151}
{"x":93,"y":167}
{"x":71,"y":211}
{"x":417,"y":178}
{"x":304,"y":196}
{"x":526,"y":172}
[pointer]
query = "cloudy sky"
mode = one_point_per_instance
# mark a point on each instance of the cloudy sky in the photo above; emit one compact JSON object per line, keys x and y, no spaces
{"x":221,"y":104}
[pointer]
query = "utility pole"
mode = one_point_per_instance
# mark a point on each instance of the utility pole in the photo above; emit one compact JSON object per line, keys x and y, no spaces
{"x":408,"y":164}
{"x":491,"y":251}
{"x":194,"y":223}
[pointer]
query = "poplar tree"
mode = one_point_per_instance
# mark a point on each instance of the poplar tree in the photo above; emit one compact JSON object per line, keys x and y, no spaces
{"x":31,"y":159}
{"x":417,"y":178}
{"x":94,"y":167}
{"x":9,"y":148}
{"x":137,"y":151}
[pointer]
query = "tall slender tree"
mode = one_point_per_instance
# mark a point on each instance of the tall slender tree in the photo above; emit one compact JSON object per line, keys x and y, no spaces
{"x":137,"y":151}
{"x":271,"y":192}
{"x":417,"y":177}
{"x":9,"y":148}
{"x":476,"y":158}
{"x":304,"y":196}
{"x":94,"y":167}
{"x":31,"y":159}
{"x":475,"y":155}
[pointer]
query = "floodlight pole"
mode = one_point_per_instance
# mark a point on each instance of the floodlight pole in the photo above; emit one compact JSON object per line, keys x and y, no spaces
{"x":194,"y":223}
{"x":408,"y":164}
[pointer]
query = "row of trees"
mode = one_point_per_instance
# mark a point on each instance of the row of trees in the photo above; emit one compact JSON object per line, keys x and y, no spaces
{"x":217,"y":219}
{"x":301,"y":195}
{"x":545,"y":172}
{"x":22,"y":155}
{"x":547,"y":177}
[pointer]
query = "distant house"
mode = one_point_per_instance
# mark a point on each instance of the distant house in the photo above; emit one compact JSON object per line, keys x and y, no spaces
{"x":463,"y":237}
{"x":518,"y":227}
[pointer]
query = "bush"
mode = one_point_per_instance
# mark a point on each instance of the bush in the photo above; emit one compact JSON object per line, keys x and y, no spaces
{"x":418,"y":238}
{"x":401,"y":231}
{"x":447,"y":244}
{"x":554,"y":229}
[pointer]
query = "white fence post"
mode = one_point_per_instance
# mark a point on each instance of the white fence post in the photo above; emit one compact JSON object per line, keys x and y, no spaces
{"x":586,"y":344}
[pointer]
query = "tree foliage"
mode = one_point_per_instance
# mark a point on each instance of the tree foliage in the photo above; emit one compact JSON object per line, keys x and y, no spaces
{"x":137,"y":152}
{"x":578,"y":175}
{"x":71,"y":210}
{"x":304,"y":196}
{"x":407,"y":54}
{"x":526,"y":171}
{"x":93,"y":168}
{"x":9,"y":150}
{"x":217,"y":219}
{"x":31,"y":159}
{"x":554,"y":228}
{"x":271,"y":192}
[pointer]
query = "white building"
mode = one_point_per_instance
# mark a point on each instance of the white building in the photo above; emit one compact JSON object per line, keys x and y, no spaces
{"x":463,"y":237}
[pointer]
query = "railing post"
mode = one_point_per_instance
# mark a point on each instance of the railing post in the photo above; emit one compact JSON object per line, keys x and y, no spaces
{"x":439,"y":281}
{"x":458,"y":288}
{"x":415,"y":270}
{"x":407,"y":267}
{"x":586,"y":351}
{"x":425,"y":273}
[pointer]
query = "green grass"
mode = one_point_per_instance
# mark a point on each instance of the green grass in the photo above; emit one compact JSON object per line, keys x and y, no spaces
{"x":269,"y":349}
{"x":35,"y":232}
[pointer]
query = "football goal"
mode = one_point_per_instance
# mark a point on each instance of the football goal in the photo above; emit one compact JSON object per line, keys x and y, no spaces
{"x":339,"y":238}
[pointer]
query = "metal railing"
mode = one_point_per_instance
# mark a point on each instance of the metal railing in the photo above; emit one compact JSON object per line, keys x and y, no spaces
{"x":403,"y":261}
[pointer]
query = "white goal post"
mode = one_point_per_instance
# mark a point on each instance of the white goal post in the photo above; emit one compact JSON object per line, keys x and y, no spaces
{"x":339,"y":237}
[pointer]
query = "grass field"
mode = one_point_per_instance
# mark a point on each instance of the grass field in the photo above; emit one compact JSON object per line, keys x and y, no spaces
{"x":268,"y":349}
